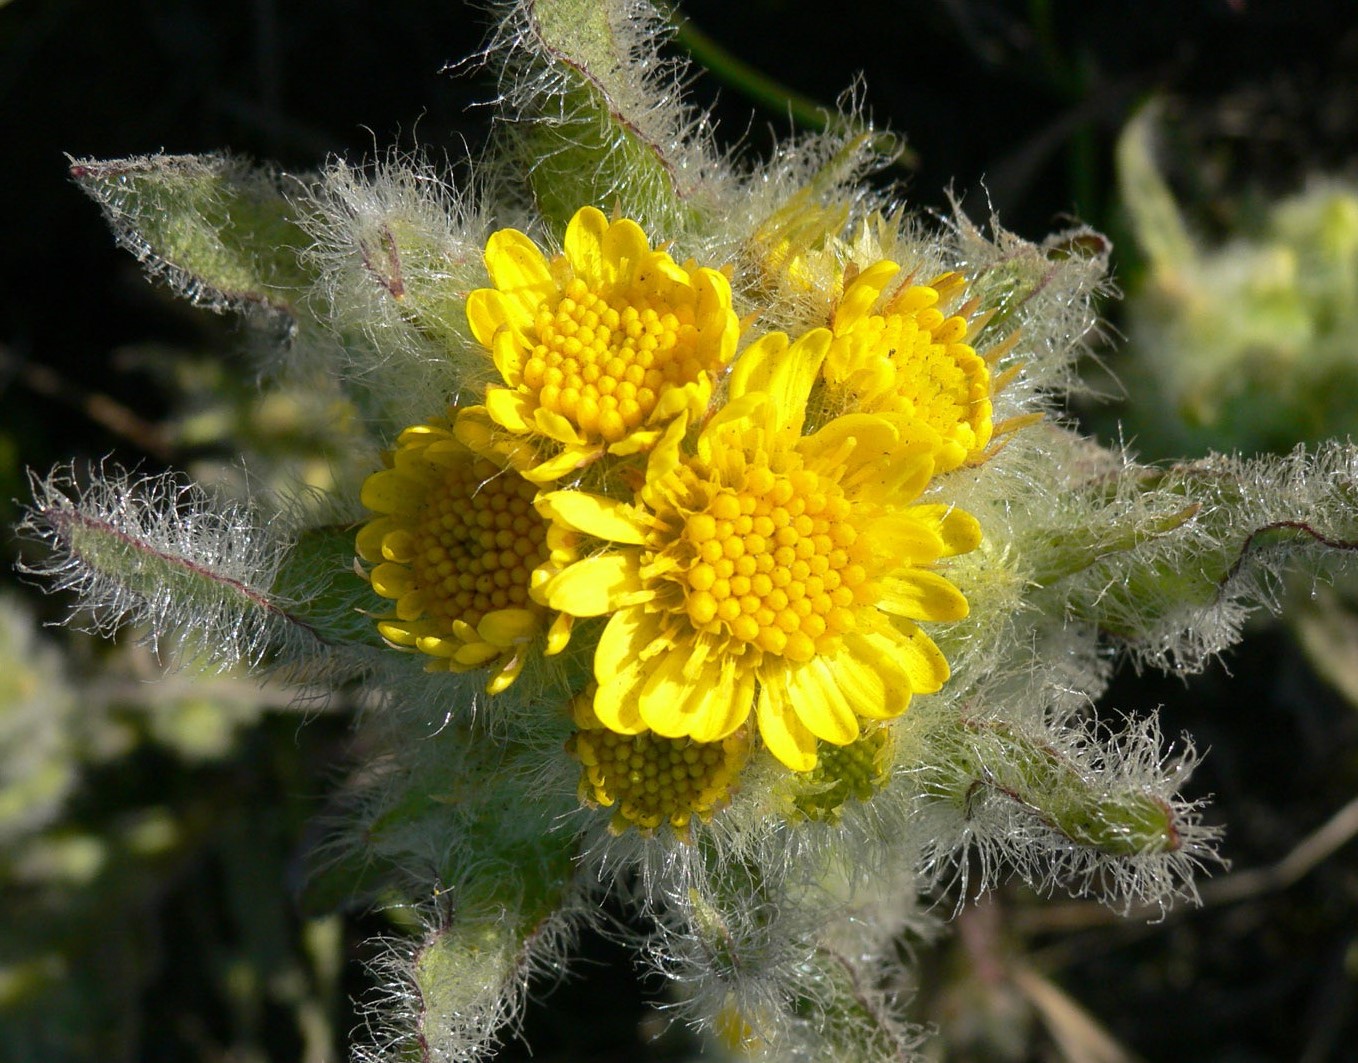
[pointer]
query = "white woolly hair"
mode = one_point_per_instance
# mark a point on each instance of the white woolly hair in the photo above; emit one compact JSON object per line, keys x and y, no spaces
{"x":158,"y":550}
{"x":196,"y":569}
{"x":398,"y":247}
{"x":982,"y":818}
{"x":455,"y":991}
{"x":779,"y":947}
{"x":641,"y":90}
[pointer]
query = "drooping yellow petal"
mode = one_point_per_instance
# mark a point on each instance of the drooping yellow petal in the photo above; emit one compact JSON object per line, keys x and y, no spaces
{"x":506,"y":350}
{"x":392,"y":581}
{"x":488,"y":311}
{"x":854,"y":441}
{"x":368,"y":542}
{"x":396,"y":633}
{"x":559,"y":634}
{"x":507,"y":627}
{"x":921,"y":660}
{"x":668,"y":702}
{"x":554,"y":426}
{"x":898,"y":480}
{"x":388,"y":491}
{"x":508,"y":671}
{"x":615,"y":702}
{"x":715,"y":314}
{"x":571,"y":459}
{"x":729,"y":699}
{"x":784,"y":373}
{"x":475,"y":654}
{"x":874,"y":684}
{"x":897,"y":533}
{"x":628,"y":637}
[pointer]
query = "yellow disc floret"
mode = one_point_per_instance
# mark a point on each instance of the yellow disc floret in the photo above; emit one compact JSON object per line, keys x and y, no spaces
{"x":603,"y":366}
{"x":842,"y":774}
{"x":761,"y":570}
{"x":454,"y":545}
{"x":649,"y":780}
{"x":910,"y":361}
{"x":777,"y":563}
{"x":603,"y":345}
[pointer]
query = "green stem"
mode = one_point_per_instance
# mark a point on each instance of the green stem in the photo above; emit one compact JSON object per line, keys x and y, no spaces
{"x":773,"y":94}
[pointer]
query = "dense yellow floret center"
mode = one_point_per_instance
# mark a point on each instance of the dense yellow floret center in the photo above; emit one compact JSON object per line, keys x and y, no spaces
{"x":476,"y":541}
{"x":934,"y":378}
{"x":776,"y":563}
{"x":601,"y":359}
{"x":652,"y":779}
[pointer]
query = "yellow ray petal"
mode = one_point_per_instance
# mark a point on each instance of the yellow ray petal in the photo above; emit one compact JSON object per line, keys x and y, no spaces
{"x":559,"y":634}
{"x":730,"y":698}
{"x":873,"y":681}
{"x":518,"y":269}
{"x":669,"y":702}
{"x":819,"y":702}
{"x":508,"y":627}
{"x":389,"y":491}
{"x":509,"y":409}
{"x":503,"y":677}
{"x":555,"y":426}
{"x":898,"y":480}
{"x":626,"y":251}
{"x":900,"y":536}
{"x":584,"y":245}
{"x":368,"y":542}
{"x":921,"y":660}
{"x":476,"y":654}
{"x":615,"y":703}
{"x":627,"y":639}
{"x":786,"y":374}
{"x":392,"y":581}
{"x":918,"y":594}
{"x":488,"y":311}
{"x":397,"y":633}
{"x":785,"y":736}
{"x":855,"y":439}
{"x":571,"y":459}
{"x":863,"y":293}
{"x":597,"y":585}
{"x":604,"y":518}
{"x":506,"y":350}
{"x":958,"y":530}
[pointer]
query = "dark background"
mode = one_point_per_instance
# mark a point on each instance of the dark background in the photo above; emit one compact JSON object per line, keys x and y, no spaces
{"x":1012,"y":104}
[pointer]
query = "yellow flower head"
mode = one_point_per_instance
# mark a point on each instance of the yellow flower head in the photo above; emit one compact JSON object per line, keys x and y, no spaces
{"x":601,"y":346}
{"x":765,"y":570}
{"x":649,"y":780}
{"x":842,"y":774}
{"x":909,"y":362}
{"x":454,"y":544}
